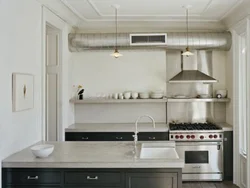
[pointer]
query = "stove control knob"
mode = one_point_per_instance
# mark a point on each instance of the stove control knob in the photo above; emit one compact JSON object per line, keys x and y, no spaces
{"x":177,"y":136}
{"x":181,"y":137}
{"x":215,"y":136}
{"x":211,"y":136}
{"x":193,"y":137}
{"x":202,"y":137}
{"x":188,"y":136}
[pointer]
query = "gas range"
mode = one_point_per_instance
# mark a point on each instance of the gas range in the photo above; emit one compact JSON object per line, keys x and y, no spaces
{"x":195,"y":132}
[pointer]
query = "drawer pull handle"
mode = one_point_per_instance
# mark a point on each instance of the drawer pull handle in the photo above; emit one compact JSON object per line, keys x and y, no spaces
{"x":118,"y":138}
{"x":85,"y":138}
{"x":32,"y":177}
{"x":92,"y":178}
{"x":151,"y":138}
{"x":196,"y":166}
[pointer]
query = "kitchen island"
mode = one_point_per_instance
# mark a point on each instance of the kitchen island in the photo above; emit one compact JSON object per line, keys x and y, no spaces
{"x":91,"y":164}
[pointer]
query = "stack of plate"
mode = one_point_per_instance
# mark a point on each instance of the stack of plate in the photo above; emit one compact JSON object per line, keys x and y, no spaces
{"x":156,"y":95}
{"x":144,"y":95}
{"x":181,"y":97}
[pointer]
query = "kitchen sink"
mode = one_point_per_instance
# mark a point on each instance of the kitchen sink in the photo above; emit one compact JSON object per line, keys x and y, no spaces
{"x":158,"y":150}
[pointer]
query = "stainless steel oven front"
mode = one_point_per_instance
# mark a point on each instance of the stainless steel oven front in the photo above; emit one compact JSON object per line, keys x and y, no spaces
{"x":203,"y":160}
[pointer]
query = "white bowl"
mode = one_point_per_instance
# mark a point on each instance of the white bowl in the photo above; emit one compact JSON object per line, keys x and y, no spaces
{"x":42,"y":150}
{"x":135,"y":95}
{"x":144,"y":95}
{"x":127,"y":95}
{"x":156,"y":96}
{"x":222,"y":92}
{"x":158,"y":92}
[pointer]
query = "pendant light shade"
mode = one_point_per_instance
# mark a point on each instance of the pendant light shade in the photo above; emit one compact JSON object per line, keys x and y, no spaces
{"x":116,"y":53}
{"x":187,"y":52}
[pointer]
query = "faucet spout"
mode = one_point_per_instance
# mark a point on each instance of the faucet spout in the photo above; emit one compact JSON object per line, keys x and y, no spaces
{"x":139,"y":118}
{"x":136,"y":128}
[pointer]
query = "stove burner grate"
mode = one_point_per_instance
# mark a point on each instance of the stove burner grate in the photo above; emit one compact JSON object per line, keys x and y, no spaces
{"x":193,"y":126}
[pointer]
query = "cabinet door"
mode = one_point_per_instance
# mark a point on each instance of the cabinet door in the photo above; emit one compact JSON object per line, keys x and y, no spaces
{"x":92,"y":178}
{"x":151,"y":180}
{"x":33,"y":177}
{"x":152,"y":136}
{"x":228,"y":155}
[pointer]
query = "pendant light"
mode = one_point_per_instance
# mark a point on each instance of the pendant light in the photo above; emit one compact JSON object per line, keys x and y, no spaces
{"x":116,"y":53}
{"x":187,"y":52}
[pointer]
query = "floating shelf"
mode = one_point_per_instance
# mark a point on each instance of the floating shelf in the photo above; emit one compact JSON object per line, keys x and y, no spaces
{"x":104,"y":101}
{"x":199,"y":100}
{"x":164,"y":100}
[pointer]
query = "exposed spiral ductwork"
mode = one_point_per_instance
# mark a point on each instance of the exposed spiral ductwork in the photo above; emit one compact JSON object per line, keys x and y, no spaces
{"x":174,"y":41}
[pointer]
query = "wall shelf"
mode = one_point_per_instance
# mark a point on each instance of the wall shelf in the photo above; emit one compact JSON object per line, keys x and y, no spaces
{"x":105,"y":101}
{"x":199,"y":100}
{"x":164,"y":100}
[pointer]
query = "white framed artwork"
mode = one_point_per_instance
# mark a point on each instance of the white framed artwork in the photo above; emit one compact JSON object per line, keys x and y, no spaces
{"x":22,"y":91}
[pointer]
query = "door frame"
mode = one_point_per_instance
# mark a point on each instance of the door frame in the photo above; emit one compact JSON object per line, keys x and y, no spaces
{"x":50,"y":19}
{"x":242,"y":26}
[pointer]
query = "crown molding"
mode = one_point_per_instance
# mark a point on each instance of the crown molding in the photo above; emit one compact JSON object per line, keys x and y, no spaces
{"x":238,"y":14}
{"x":62,"y":11}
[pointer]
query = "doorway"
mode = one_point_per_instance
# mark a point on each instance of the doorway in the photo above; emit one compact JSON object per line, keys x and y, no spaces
{"x":52,"y":83}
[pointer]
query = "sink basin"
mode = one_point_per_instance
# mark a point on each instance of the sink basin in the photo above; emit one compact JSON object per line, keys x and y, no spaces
{"x":165,"y":150}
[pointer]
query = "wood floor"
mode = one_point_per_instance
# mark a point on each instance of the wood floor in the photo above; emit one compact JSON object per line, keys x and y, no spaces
{"x":208,"y":185}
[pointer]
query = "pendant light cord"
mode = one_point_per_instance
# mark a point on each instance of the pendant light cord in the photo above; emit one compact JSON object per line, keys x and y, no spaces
{"x":116,"y":28}
{"x":187,"y":24}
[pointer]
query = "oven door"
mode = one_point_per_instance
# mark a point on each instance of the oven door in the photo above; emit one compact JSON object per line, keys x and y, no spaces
{"x":201,"y":157}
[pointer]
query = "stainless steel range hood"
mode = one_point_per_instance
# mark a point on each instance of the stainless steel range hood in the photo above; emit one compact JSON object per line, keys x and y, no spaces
{"x":203,"y":61}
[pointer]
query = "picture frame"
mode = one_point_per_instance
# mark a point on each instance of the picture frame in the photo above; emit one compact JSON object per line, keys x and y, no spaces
{"x":22,"y":91}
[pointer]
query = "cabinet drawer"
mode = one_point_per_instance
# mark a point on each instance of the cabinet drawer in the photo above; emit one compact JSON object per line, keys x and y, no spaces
{"x":97,"y":136}
{"x":32,"y":177}
{"x":151,"y":136}
{"x":72,"y":136}
{"x":113,"y":178}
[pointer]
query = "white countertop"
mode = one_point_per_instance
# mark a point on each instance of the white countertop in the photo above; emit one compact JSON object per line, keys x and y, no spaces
{"x":116,"y":127}
{"x":225,"y":126}
{"x":89,"y":155}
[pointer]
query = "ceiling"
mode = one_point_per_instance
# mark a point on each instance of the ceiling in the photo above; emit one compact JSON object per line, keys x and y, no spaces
{"x":154,"y":14}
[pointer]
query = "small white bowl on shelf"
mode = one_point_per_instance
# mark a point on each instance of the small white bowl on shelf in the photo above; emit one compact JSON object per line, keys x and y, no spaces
{"x":144,"y":95}
{"x":156,"y":94}
{"x":42,"y":150}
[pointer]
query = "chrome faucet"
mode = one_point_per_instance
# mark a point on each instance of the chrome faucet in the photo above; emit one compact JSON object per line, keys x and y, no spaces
{"x":136,"y":128}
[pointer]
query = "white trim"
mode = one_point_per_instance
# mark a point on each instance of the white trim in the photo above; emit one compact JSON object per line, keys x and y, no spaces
{"x":248,"y":102}
{"x":49,"y":18}
{"x":236,"y":156}
{"x":238,"y":29}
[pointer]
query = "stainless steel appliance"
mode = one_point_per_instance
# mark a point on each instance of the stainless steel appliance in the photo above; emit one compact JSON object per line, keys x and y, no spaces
{"x":201,"y":147}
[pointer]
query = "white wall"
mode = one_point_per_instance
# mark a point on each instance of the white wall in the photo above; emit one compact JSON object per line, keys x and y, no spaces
{"x":20,"y":51}
{"x":99,"y":73}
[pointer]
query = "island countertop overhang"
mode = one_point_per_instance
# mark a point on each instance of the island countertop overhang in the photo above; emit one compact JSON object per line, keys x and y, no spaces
{"x":89,"y":155}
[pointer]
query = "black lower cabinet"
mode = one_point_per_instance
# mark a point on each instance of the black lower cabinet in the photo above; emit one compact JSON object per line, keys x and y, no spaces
{"x":228,"y":155}
{"x":154,"y":180}
{"x":115,"y":136}
{"x":33,"y":186}
{"x":98,"y":136}
{"x":91,"y":178}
